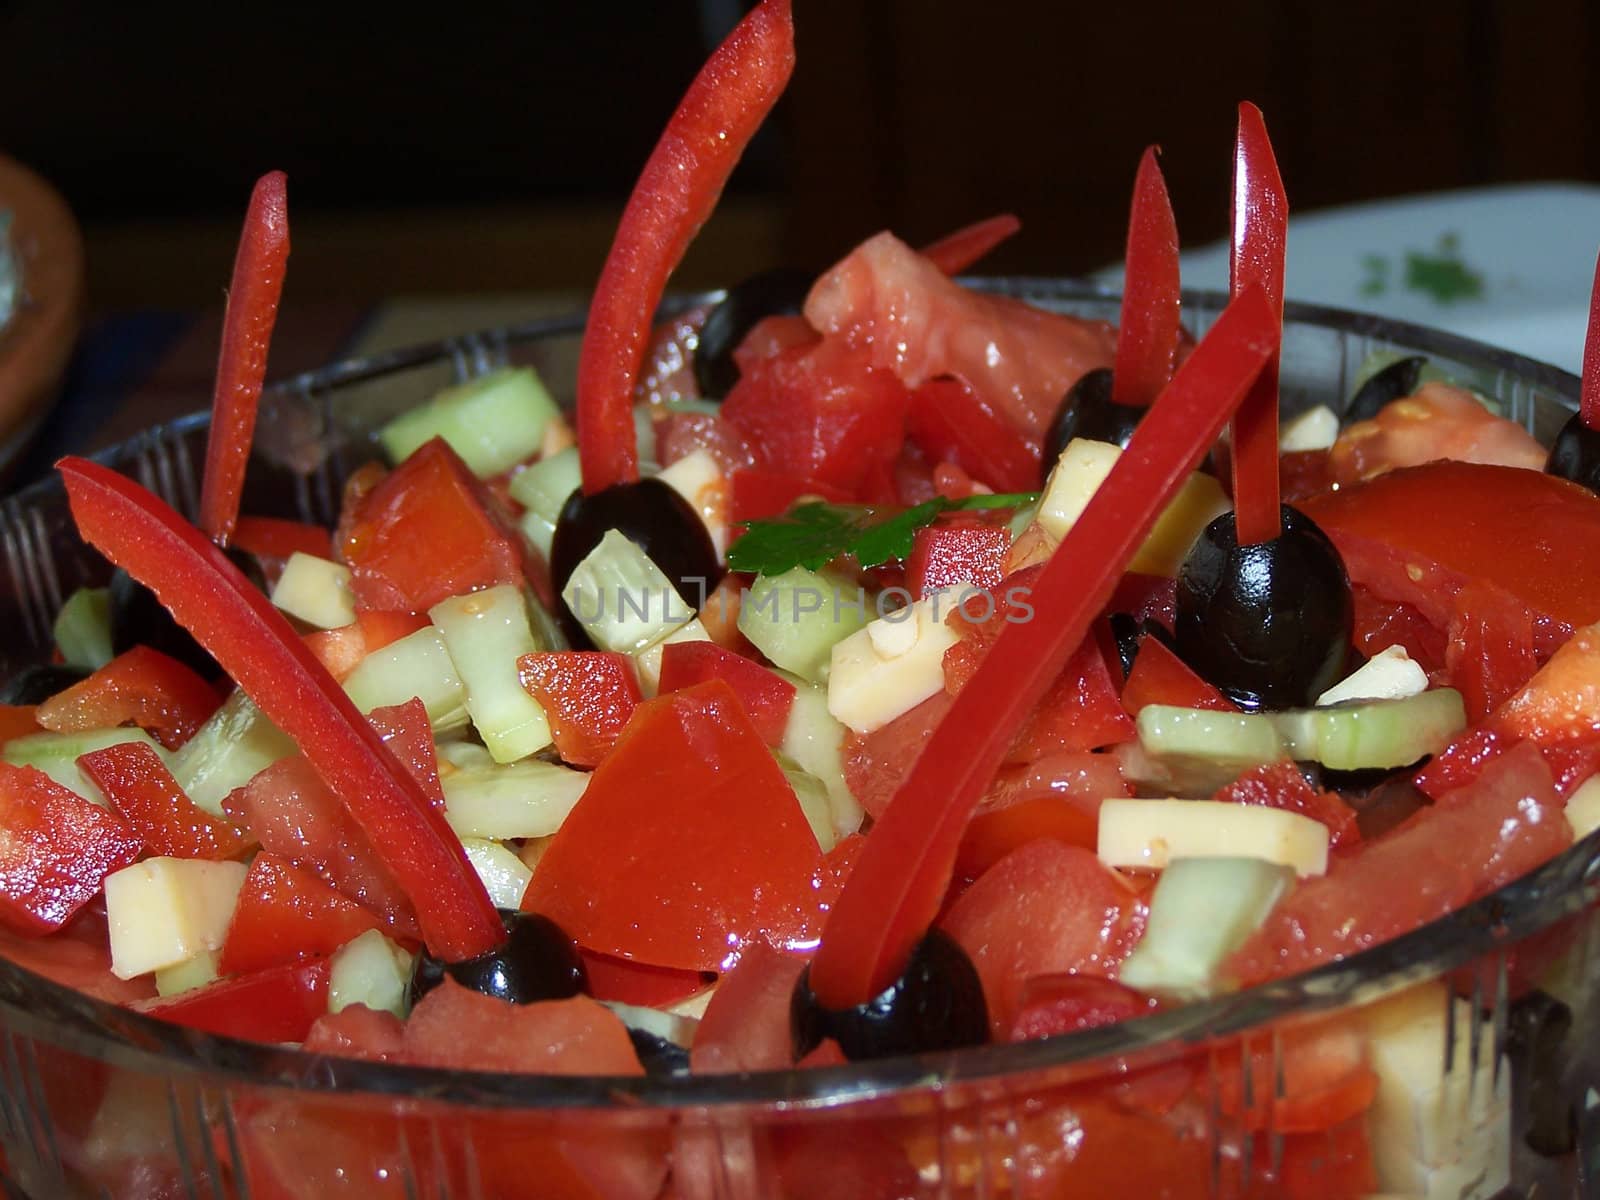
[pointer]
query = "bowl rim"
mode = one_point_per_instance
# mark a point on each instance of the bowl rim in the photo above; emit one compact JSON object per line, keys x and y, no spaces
{"x":1560,"y":888}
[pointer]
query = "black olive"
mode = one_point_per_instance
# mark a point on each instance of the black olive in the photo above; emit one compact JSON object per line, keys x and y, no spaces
{"x":651,"y":515}
{"x":1267,"y":624}
{"x":1088,"y":411}
{"x":1576,"y":454}
{"x":1130,"y":633}
{"x":778,"y":292}
{"x":657,"y":1055}
{"x":36,"y":684}
{"x":937,"y":1004}
{"x":537,"y":962}
{"x":139,"y":619}
{"x":1399,"y":379}
{"x":1536,"y":1037}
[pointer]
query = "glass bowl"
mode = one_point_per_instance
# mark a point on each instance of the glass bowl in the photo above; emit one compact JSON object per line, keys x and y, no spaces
{"x":1500,"y":998}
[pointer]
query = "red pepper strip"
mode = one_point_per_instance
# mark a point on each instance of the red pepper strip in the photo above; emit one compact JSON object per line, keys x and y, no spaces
{"x":1589,"y":405}
{"x":278,"y":1004}
{"x":139,"y":786}
{"x":1147,"y":337}
{"x":675,"y":194}
{"x":255,"y":644}
{"x":274,"y":537}
{"x":892,"y":896}
{"x":955,"y":252}
{"x":1260,"y":228}
{"x":252,"y":310}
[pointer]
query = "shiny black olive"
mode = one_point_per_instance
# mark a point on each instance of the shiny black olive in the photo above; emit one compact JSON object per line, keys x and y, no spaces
{"x":36,"y":684}
{"x":537,"y":962}
{"x":1536,"y":1046}
{"x":1088,"y":411}
{"x":1130,"y":632}
{"x":1576,"y":454}
{"x":937,"y":1004}
{"x":657,"y":1055}
{"x":648,"y":513}
{"x":1399,"y":379}
{"x":139,"y":619}
{"x":778,"y":292}
{"x":1267,"y":624}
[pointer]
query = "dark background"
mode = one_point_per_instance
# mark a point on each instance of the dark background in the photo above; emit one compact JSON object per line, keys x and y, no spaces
{"x":488,"y":147}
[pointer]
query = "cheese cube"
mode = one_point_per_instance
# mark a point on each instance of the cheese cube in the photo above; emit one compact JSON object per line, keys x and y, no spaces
{"x":647,"y":662}
{"x":1080,"y":471}
{"x":892,"y":665}
{"x":1388,"y":675}
{"x":697,"y":478}
{"x":316,"y":591}
{"x":1315,"y":429}
{"x":1583,"y":808}
{"x":1151,"y":833}
{"x":164,"y":911}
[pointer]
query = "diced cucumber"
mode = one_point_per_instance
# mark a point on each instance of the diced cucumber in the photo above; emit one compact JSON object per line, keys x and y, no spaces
{"x":517,"y":800}
{"x":417,"y":665}
{"x":83,"y":629}
{"x":190,"y":973}
{"x":228,"y":751}
{"x":493,"y":422}
{"x":1225,"y":738}
{"x":316,"y":591}
{"x":1374,"y":733}
{"x":1022,"y":518}
{"x":691,"y":404}
{"x":622,"y":599}
{"x":1202,"y":909}
{"x":371,"y":970}
{"x":795,"y":618}
{"x":486,"y":633}
{"x":462,"y":756}
{"x":542,"y":489}
{"x":813,"y":799}
{"x":813,"y":739}
{"x":57,"y":754}
{"x":504,"y":875}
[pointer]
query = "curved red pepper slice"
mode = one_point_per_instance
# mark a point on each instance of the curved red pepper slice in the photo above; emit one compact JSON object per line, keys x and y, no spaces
{"x":894,"y":892}
{"x":1260,"y":229}
{"x":676,"y":192}
{"x":955,"y":252}
{"x":1147,"y":334}
{"x":255,"y":644}
{"x":1589,"y":403}
{"x":247,"y":323}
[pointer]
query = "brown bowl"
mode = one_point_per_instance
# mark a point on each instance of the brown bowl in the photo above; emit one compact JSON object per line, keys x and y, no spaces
{"x":36,"y":342}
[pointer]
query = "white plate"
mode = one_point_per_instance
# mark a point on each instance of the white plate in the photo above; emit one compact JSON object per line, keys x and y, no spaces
{"x":1511,"y":266}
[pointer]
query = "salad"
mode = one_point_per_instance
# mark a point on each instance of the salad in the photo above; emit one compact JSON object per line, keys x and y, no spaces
{"x":865,"y":666}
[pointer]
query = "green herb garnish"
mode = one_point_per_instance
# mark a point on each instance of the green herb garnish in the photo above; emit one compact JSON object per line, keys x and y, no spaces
{"x":813,"y":535}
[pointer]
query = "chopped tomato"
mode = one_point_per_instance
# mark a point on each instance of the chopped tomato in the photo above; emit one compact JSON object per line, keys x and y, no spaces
{"x":18,"y":720}
{"x":284,"y":914}
{"x":680,"y":434}
{"x":766,"y":696}
{"x":428,"y":531}
{"x":1462,"y":761}
{"x":588,"y":696}
{"x":1418,"y":535}
{"x":278,"y":1004}
{"x":1160,"y":677}
{"x":1490,"y":654}
{"x":773,"y":335}
{"x":406,"y":731}
{"x":875,"y":763}
{"x":77,"y":955}
{"x":1146,"y":598}
{"x":1281,"y":785}
{"x":1471,"y":841}
{"x":1043,"y":909}
{"x":1380,"y":624}
{"x":992,"y":835}
{"x":380,"y":628}
{"x":1302,"y":1078}
{"x":140,"y":787}
{"x":140,"y":687}
{"x":1440,"y":421}
{"x":56,"y":850}
{"x":1065,"y":1003}
{"x":910,"y":319}
{"x":340,"y":650}
{"x":824,"y":413}
{"x":1303,"y":473}
{"x":746,"y":1025}
{"x":294,"y":814}
{"x":958,"y":549}
{"x":720,"y":614}
{"x":1562,"y":702}
{"x":949,"y":422}
{"x":690,"y":819}
{"x":769,"y":492}
{"x":626,"y":982}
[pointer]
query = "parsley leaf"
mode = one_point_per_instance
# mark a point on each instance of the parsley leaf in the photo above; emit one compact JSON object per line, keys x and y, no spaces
{"x":813,"y":535}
